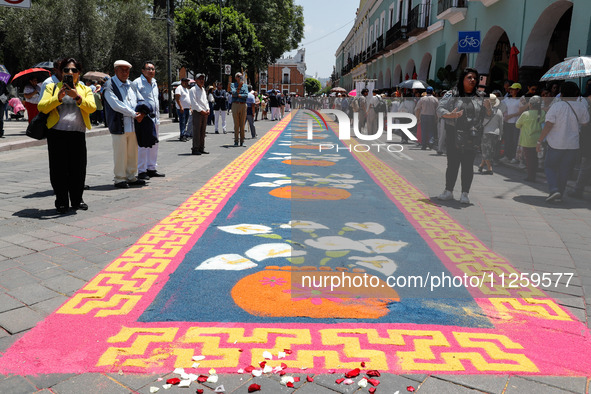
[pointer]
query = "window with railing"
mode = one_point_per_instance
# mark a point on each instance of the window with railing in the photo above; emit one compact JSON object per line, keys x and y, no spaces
{"x":418,"y":18}
{"x":444,"y":5}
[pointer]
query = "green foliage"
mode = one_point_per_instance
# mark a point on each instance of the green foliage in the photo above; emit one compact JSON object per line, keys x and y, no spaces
{"x":95,"y":32}
{"x":312,"y":86}
{"x":198,"y":39}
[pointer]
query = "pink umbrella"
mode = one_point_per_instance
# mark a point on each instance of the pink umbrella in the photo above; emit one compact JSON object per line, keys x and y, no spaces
{"x":353,"y":92}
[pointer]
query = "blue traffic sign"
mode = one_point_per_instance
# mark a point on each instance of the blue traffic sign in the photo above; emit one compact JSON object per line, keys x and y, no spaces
{"x":468,"y":42}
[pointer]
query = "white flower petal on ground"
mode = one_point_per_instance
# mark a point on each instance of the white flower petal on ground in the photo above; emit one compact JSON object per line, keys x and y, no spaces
{"x":350,"y":181}
{"x":281,"y":154}
{"x":227,"y":262}
{"x":280,"y":182}
{"x":268,"y":251}
{"x":281,"y":158}
{"x":336,"y":243}
{"x":377,"y":263}
{"x":271,"y":175}
{"x":384,"y":245}
{"x":304,"y":225}
{"x":246,"y":229}
{"x":371,"y":227}
{"x":322,"y":180}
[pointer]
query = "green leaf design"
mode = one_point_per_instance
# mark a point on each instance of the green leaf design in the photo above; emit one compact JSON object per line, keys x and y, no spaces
{"x":296,"y":260}
{"x":272,"y":236}
{"x":337,"y":253}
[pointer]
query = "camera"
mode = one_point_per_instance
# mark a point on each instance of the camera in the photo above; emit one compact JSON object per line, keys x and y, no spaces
{"x":69,"y":81}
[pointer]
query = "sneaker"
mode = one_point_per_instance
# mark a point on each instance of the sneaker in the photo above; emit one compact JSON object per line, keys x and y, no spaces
{"x":446,"y":196}
{"x":554,"y":197}
{"x":504,"y":159}
{"x":514,"y":161}
{"x":464,"y":198}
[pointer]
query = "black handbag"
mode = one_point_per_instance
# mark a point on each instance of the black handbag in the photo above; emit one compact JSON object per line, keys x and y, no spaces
{"x":469,"y":128}
{"x":37,"y":129}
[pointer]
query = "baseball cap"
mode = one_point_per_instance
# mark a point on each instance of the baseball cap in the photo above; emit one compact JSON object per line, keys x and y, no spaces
{"x":122,"y":63}
{"x":515,"y":86}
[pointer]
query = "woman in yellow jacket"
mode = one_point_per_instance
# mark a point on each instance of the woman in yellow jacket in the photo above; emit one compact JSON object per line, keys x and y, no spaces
{"x":69,"y":104}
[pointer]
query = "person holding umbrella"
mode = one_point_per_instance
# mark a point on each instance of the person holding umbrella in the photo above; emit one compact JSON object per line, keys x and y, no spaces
{"x":69,"y":104}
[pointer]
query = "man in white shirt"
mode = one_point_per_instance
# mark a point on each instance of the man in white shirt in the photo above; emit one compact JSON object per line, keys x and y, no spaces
{"x":183,"y":106}
{"x":425,"y":112}
{"x":200,"y":107}
{"x":148,"y":88}
{"x":121,"y":99}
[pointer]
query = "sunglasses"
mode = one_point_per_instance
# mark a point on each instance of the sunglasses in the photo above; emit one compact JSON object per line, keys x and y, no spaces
{"x":72,"y":70}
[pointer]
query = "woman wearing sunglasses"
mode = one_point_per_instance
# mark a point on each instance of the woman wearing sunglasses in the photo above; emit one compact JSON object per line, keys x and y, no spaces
{"x":69,"y":104}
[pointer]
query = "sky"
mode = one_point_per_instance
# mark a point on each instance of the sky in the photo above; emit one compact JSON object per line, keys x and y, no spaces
{"x":327,"y":23}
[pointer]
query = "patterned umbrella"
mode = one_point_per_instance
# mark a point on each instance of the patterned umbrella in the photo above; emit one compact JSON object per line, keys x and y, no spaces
{"x":4,"y":74}
{"x":573,"y":67}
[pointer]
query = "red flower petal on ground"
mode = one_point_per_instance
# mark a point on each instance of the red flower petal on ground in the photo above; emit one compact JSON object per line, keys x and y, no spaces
{"x":284,"y":365}
{"x":240,"y":350}
{"x":262,"y":364}
{"x":373,"y":382}
{"x":287,"y":351}
{"x":309,"y":378}
{"x":249,"y":369}
{"x":373,"y":373}
{"x":289,"y":384}
{"x":353,"y":373}
{"x":199,"y":391}
{"x":296,"y":378}
{"x":331,"y":370}
{"x":281,"y":373}
{"x":339,"y":381}
{"x":410,"y":388}
{"x":173,"y":381}
{"x":202,"y":378}
{"x":254,"y":387}
{"x":363,"y":364}
{"x":372,"y":390}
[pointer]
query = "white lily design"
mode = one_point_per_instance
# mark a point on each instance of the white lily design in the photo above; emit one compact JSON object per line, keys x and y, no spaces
{"x":381,"y":264}
{"x":304,"y":225}
{"x":246,"y":229}
{"x":384,"y":245}
{"x":337,"y":243}
{"x":272,"y":250}
{"x":371,"y":227}
{"x":272,"y":175}
{"x":227,"y":262}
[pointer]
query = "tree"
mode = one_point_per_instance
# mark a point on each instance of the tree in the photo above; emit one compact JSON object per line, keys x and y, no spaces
{"x":312,"y":86}
{"x":95,"y":32}
{"x":198,"y":39}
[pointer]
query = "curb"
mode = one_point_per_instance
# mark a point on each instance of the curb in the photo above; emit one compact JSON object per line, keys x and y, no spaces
{"x":26,"y":142}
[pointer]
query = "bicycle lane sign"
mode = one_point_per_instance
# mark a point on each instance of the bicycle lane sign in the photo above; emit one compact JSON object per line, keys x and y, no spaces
{"x":469,"y":41}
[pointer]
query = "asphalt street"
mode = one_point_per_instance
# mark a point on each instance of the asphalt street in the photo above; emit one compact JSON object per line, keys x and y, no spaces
{"x":45,"y":258}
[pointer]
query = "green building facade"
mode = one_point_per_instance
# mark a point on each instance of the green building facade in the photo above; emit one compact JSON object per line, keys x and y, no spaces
{"x":395,"y":40}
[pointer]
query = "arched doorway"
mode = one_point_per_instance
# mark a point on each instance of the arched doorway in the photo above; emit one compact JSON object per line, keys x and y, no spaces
{"x":388,"y":79}
{"x":547,"y":43}
{"x":493,"y":60}
{"x":380,"y":81}
{"x":397,"y":75}
{"x":410,"y":69}
{"x":425,"y":67}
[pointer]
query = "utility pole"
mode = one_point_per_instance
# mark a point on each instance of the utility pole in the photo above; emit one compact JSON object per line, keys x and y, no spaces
{"x":221,"y":50}
{"x":170,"y":92}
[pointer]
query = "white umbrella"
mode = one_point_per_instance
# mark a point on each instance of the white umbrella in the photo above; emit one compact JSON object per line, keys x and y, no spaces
{"x":570,"y":68}
{"x":413,"y":84}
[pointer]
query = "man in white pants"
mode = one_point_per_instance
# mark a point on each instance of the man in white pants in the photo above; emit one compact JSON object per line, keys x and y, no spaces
{"x":148,"y":88}
{"x":220,"y":107}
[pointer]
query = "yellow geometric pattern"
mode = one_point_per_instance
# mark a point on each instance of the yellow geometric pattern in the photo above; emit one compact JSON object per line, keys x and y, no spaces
{"x":392,"y":349}
{"x":120,"y":286}
{"x":530,"y":306}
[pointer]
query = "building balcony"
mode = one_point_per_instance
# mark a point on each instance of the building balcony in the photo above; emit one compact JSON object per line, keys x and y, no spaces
{"x":396,"y":35}
{"x":452,"y":10}
{"x":487,"y":3}
{"x":418,"y":20}
{"x":380,"y":42}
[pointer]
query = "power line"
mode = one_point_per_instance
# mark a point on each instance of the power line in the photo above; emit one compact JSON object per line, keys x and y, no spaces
{"x":326,"y":35}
